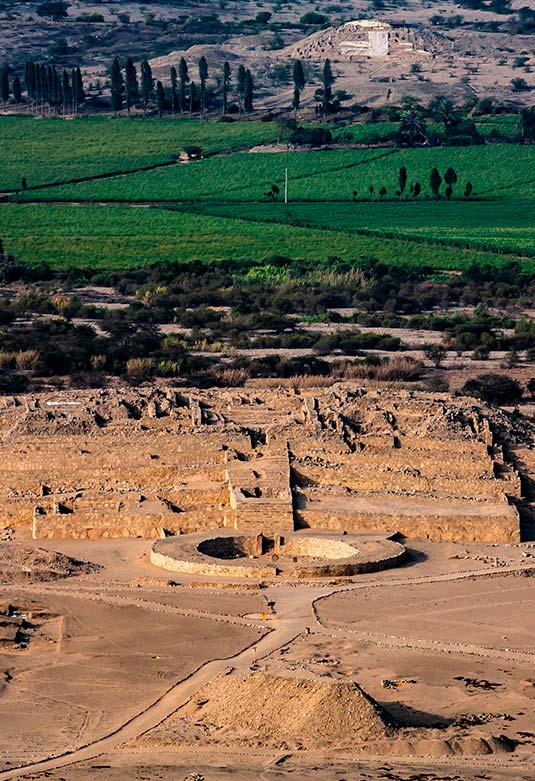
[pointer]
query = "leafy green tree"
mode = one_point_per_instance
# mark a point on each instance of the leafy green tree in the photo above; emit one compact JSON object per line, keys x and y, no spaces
{"x":445,"y":113}
{"x":147,"y":84}
{"x":412,"y":127}
{"x":527,"y":124}
{"x":435,"y":181}
{"x":203,"y":77}
{"x":160,"y":98}
{"x":227,"y":78}
{"x":131,"y":84}
{"x":468,"y":190}
{"x":402,"y":180}
{"x":55,"y":9}
{"x":183,"y":76}
{"x":493,"y":388}
{"x":117,"y":86}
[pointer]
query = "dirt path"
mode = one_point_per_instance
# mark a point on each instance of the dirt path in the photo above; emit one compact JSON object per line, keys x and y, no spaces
{"x":295,"y":613}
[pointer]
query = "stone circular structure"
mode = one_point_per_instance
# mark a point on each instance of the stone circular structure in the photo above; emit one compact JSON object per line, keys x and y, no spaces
{"x":295,"y":555}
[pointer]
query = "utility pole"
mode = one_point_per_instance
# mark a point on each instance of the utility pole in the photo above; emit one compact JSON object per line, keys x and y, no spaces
{"x":286,"y":186}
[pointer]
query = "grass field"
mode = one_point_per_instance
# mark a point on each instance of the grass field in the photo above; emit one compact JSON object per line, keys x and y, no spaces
{"x":217,"y":208}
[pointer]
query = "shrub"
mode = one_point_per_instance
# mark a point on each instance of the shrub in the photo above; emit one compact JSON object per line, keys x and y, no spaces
{"x":493,"y":388}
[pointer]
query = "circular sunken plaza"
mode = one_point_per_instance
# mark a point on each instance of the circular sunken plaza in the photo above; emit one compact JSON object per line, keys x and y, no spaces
{"x":305,"y":554}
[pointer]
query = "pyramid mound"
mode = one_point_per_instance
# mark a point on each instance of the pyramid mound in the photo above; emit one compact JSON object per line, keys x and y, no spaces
{"x":290,"y":712}
{"x":36,"y":565}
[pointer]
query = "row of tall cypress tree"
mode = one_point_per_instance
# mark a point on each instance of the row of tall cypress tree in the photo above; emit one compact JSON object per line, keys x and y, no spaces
{"x":47,"y":89}
{"x":183,"y":94}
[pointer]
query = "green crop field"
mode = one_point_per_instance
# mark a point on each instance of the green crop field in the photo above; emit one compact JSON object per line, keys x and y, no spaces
{"x":503,"y":171}
{"x":217,"y":208}
{"x":235,"y":177}
{"x":476,"y":224}
{"x":120,"y":236}
{"x":54,"y":150}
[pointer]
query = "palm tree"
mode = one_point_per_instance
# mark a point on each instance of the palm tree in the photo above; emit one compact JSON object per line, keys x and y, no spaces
{"x":445,"y":113}
{"x":412,"y":127}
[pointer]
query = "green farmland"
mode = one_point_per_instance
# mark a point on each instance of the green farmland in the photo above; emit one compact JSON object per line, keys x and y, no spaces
{"x":218,"y":208}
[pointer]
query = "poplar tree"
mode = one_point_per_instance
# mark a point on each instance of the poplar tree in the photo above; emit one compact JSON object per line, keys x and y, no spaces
{"x":160,"y":98}
{"x":192,"y":97}
{"x":4,"y":83}
{"x":17,"y":90}
{"x":147,"y":84}
{"x":184,"y":81}
{"x":241,"y":86}
{"x":248,"y":95}
{"x":131,"y":84}
{"x":299,"y":84}
{"x":67,"y":92}
{"x":203,"y":76}
{"x":174,"y":89}
{"x":327,"y":79}
{"x":79,"y":87}
{"x":117,"y":86}
{"x":227,"y":77}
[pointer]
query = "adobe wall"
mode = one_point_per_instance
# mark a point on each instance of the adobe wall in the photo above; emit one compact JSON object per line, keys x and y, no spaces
{"x":139,"y":461}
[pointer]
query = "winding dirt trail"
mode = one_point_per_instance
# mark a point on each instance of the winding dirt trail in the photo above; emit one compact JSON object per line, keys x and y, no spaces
{"x":295,"y":614}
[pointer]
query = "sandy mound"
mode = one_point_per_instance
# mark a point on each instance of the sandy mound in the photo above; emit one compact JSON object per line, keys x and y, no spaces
{"x":289,"y":712}
{"x":35,"y":565}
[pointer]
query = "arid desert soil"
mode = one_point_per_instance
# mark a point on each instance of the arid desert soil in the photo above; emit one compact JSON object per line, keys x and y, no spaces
{"x":441,"y":648}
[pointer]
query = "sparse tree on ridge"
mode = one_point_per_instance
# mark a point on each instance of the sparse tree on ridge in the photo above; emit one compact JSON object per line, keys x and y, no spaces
{"x":203,"y":76}
{"x":131,"y":84}
{"x":147,"y":84}
{"x":227,"y":77}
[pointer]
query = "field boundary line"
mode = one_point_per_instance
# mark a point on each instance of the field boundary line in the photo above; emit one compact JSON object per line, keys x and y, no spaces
{"x":378,"y":233}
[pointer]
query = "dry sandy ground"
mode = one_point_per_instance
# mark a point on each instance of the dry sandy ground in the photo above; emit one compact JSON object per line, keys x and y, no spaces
{"x":451,"y":629}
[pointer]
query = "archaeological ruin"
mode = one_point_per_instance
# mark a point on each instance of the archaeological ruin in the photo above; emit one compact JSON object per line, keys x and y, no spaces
{"x":156,"y":463}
